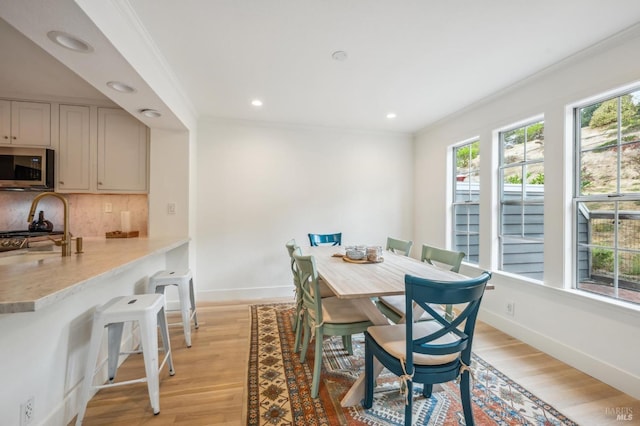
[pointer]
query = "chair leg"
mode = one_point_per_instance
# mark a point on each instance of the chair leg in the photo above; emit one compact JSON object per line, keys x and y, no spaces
{"x":465,"y":396}
{"x":317,"y":365}
{"x":192,"y":297}
{"x":409,"y":405}
{"x":166,"y":343}
{"x":305,"y":340}
{"x":114,"y":341}
{"x":149,"y":338}
{"x":186,"y":313}
{"x":367,"y":402}
{"x":427,"y":389}
{"x":298,"y":328}
{"x":346,"y":342}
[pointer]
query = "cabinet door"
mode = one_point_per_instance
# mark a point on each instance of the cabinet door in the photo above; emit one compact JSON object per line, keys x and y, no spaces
{"x":74,"y":155}
{"x":122,"y":152}
{"x":5,"y":122}
{"x":30,"y":123}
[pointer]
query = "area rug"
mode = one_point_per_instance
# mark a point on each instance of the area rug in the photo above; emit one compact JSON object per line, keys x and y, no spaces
{"x":279,"y":386}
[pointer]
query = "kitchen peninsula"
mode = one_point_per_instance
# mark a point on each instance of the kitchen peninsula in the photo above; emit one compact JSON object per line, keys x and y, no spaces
{"x":30,"y":286}
{"x":46,"y":310}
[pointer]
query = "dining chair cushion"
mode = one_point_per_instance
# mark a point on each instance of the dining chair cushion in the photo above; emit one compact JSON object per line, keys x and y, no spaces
{"x":341,"y":311}
{"x":397,"y":304}
{"x":392,"y":339}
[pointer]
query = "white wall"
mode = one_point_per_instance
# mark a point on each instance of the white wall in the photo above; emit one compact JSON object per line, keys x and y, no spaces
{"x":261,"y":185}
{"x":590,"y":333}
{"x":169,"y":172}
{"x":169,"y":183}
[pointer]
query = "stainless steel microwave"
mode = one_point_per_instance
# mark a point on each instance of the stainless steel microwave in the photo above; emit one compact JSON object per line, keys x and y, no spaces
{"x":27,"y":169}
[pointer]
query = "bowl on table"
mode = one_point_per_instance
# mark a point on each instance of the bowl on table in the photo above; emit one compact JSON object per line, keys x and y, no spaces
{"x":355,"y":253}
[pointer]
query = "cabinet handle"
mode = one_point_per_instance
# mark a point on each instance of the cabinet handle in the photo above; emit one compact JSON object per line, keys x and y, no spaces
{"x":61,"y":183}
{"x":99,"y":183}
{"x":14,"y":138}
{"x":6,"y":137}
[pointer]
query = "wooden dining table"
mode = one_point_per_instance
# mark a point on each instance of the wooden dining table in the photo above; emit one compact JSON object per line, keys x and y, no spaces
{"x":362,"y":282}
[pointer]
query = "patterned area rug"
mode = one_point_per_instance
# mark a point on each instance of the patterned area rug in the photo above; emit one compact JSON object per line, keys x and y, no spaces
{"x":279,"y":386}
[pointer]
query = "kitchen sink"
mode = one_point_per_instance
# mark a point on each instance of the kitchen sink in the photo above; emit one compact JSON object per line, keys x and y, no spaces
{"x":25,"y":257}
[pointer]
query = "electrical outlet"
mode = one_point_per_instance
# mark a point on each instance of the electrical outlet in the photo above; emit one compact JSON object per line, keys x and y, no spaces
{"x":108,"y":207}
{"x":511,"y":307}
{"x":171,"y":208}
{"x":26,"y":412}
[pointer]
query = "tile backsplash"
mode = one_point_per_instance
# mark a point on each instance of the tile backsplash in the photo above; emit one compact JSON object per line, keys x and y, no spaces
{"x":87,"y":216}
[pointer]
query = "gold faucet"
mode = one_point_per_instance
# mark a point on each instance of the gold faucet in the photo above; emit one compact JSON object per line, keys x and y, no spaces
{"x":66,"y":239}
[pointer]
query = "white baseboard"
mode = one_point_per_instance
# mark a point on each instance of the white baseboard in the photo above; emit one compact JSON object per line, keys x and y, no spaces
{"x":609,"y":374}
{"x":248,"y":294}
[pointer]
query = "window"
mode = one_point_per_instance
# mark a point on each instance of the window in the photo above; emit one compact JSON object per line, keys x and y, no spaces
{"x":466,"y":199}
{"x":521,"y":234}
{"x":607,"y":196}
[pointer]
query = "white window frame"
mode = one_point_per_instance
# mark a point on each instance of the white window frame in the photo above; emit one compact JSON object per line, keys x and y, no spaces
{"x":500,"y":203}
{"x":577,"y":199}
{"x":454,"y":203}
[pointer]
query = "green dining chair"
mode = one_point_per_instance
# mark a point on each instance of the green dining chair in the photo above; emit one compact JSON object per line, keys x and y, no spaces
{"x":428,"y":352}
{"x":295,"y":322}
{"x":325,"y":291}
{"x":325,"y":239}
{"x":329,"y":316}
{"x":399,"y":246}
{"x":393,"y":306}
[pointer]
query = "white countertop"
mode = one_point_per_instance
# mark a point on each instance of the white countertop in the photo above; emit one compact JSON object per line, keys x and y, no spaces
{"x":29,"y":286}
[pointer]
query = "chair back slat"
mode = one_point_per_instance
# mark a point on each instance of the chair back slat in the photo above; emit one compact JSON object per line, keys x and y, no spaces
{"x":309,"y":286}
{"x":332,"y":239}
{"x":437,"y":256}
{"x":399,"y":246}
{"x":291,"y":247}
{"x":458,"y":329}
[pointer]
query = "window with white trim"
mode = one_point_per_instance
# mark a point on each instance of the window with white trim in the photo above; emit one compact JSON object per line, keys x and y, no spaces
{"x":466,"y":199}
{"x":521,"y":230}
{"x":607,"y":196}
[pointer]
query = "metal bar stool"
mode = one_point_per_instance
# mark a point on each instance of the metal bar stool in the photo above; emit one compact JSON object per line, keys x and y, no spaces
{"x":184,"y":280}
{"x":148,"y":311}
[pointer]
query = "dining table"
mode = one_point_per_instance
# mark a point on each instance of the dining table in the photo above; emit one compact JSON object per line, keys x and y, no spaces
{"x":362,"y":282}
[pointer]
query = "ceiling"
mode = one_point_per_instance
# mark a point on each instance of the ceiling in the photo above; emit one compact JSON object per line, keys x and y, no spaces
{"x":419,"y":59}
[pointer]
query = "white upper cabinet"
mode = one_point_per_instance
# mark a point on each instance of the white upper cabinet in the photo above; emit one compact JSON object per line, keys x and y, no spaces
{"x":122,"y":152}
{"x":74,"y":153}
{"x":5,"y":122}
{"x":25,"y":123}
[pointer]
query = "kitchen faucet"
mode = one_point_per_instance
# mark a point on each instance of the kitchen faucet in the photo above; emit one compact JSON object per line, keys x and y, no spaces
{"x":66,"y":238}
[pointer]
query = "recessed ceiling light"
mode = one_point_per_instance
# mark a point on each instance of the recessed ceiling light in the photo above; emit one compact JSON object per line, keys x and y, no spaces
{"x":391,"y":115}
{"x":256,"y":103}
{"x":120,"y":87}
{"x":151,"y":113}
{"x":339,"y":55}
{"x":70,"y":42}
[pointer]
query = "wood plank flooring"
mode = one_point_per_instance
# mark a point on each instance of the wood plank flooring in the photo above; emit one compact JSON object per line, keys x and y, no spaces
{"x":209,"y":387}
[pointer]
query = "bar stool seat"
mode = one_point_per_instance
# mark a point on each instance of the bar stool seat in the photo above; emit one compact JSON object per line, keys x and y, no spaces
{"x":148,"y":311}
{"x":184,"y":280}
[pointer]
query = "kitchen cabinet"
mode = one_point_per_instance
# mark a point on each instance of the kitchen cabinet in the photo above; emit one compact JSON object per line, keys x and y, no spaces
{"x":25,"y":123}
{"x":122,"y":152}
{"x":74,"y":152}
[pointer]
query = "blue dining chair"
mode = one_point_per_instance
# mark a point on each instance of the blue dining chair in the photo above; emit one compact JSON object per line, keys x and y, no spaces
{"x":325,"y":239}
{"x":428,"y":352}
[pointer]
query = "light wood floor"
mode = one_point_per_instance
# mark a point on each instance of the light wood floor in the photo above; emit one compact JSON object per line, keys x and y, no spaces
{"x":209,"y":387}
